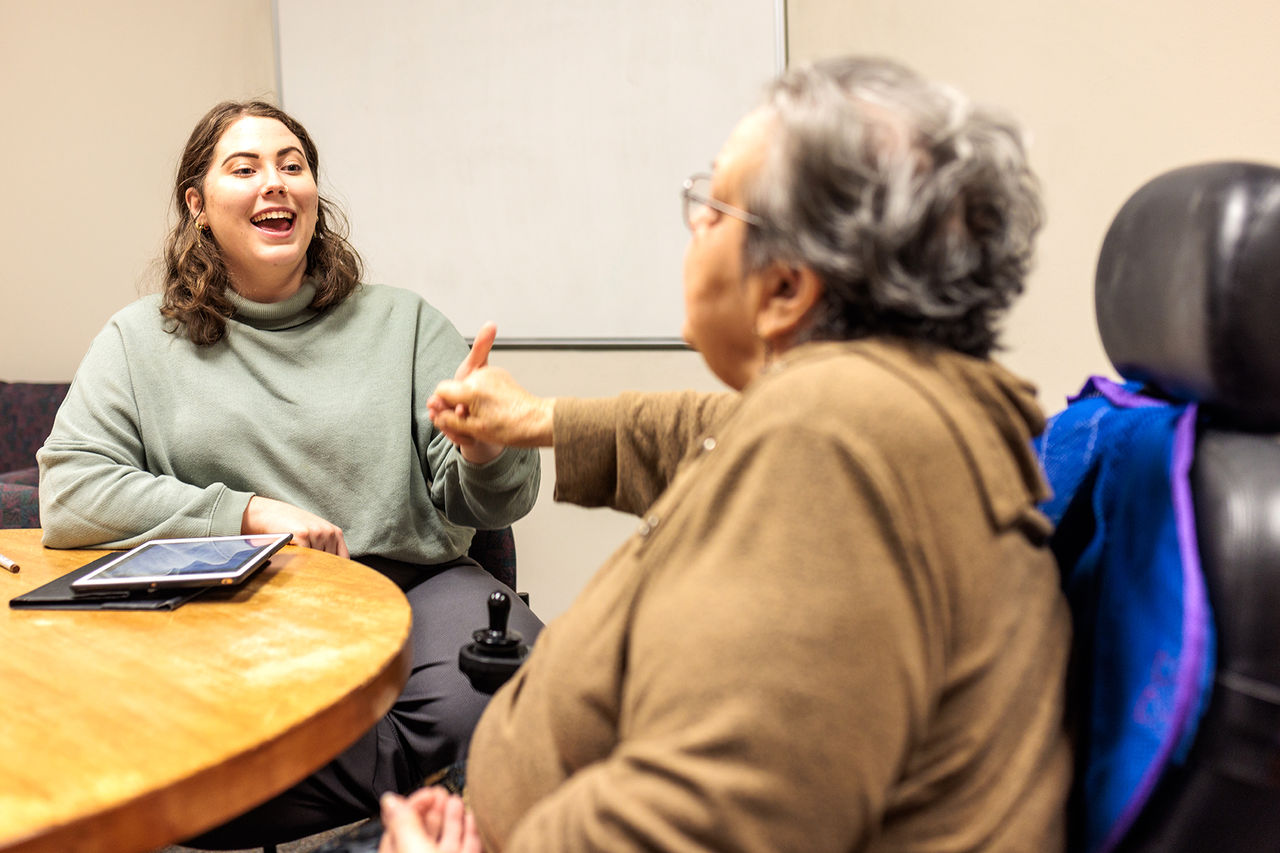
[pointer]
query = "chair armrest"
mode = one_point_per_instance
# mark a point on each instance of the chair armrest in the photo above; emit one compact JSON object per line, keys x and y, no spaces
{"x":495,"y":551}
{"x":19,"y":506}
{"x":21,"y":477}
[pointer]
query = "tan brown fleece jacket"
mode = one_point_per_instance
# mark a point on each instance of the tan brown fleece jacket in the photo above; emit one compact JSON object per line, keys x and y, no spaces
{"x":837,"y":627}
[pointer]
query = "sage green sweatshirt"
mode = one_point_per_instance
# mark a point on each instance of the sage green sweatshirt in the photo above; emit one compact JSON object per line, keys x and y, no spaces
{"x":325,"y":410}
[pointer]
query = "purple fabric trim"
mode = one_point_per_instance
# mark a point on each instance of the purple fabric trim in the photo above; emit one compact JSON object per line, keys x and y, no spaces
{"x":1116,"y":393}
{"x":1090,"y":385}
{"x":1195,"y":616}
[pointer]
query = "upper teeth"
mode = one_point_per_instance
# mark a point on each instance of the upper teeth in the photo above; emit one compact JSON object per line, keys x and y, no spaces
{"x":273,"y":214}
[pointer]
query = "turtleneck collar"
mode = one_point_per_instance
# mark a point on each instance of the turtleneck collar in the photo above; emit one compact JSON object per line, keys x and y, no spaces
{"x":284,"y":314}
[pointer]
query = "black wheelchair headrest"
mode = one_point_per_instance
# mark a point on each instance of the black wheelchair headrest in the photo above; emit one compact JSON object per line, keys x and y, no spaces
{"x":1188,"y":289}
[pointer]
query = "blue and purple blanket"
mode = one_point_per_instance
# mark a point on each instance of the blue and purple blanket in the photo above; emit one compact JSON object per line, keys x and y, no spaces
{"x":1118,"y":462}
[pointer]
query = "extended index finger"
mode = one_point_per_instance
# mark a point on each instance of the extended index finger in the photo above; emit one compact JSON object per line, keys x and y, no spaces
{"x":479,"y":355}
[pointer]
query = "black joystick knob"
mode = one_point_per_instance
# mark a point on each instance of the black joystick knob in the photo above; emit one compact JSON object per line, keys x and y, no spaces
{"x":494,"y":653}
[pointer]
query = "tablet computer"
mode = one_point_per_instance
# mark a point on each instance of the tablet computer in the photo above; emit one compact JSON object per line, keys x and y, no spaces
{"x":197,"y":561}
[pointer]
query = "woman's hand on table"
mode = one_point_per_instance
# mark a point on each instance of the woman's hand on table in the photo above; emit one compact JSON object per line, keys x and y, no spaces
{"x":483,"y":406}
{"x":265,"y":515}
{"x":430,"y":820}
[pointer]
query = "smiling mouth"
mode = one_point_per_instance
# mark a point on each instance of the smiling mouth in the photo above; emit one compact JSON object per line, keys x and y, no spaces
{"x":275,"y":221}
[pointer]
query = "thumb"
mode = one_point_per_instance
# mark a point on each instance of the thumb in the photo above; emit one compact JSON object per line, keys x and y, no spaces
{"x":479,"y":355}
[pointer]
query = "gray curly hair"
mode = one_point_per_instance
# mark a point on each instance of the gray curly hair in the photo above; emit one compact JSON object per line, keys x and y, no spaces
{"x":917,"y":209}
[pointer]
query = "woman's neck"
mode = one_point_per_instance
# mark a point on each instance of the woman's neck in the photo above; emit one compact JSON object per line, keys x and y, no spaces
{"x":268,"y":289}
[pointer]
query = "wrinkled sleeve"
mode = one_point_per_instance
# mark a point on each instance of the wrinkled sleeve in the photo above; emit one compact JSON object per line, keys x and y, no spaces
{"x":95,"y":488}
{"x":767,"y":706}
{"x":622,"y":452}
{"x":488,"y":496}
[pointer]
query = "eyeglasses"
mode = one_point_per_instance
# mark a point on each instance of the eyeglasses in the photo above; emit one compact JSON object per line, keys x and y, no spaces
{"x":697,"y":198}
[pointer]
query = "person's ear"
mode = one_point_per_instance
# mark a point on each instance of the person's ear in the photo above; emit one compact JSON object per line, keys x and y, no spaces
{"x":788,"y":296}
{"x":195,"y":203}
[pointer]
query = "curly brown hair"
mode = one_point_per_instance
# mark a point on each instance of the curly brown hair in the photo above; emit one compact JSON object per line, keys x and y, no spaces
{"x":196,"y":281}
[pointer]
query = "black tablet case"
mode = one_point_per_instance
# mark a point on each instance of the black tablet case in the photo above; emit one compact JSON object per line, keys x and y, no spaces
{"x":58,"y":595}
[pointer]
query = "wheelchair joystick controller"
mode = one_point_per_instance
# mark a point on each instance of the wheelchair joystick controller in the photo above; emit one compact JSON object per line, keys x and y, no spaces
{"x":492,"y":657}
{"x":494,"y":653}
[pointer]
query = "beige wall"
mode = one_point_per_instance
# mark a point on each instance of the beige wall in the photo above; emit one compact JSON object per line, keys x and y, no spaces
{"x":102,"y":95}
{"x":98,"y":101}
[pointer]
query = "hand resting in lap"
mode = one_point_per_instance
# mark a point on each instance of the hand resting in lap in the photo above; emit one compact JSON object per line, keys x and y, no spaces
{"x":430,"y":820}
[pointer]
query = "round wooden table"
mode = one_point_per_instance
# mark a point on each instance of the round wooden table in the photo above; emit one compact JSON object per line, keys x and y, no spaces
{"x":126,"y":730}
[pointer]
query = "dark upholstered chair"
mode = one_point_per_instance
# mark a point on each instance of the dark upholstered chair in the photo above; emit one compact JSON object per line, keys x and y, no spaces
{"x":27,"y":410}
{"x":1188,"y":307}
{"x":495,"y":550}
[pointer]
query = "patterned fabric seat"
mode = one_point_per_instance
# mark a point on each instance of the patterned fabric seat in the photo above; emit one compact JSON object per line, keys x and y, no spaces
{"x":27,"y":410}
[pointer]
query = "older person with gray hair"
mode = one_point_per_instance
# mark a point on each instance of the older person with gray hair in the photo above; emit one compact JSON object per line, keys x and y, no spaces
{"x":837,"y":627}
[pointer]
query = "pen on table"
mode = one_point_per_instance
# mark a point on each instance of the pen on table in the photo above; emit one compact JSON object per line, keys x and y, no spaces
{"x":9,"y":565}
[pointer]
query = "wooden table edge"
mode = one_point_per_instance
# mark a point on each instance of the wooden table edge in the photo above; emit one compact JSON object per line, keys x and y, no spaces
{"x":290,"y":756}
{"x":120,"y":828}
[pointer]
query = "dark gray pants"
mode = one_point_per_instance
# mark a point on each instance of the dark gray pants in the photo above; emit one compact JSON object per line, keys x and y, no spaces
{"x":427,"y":729}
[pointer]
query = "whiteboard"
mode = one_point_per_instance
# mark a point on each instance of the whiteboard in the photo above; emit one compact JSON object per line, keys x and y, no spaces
{"x":521,"y":160}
